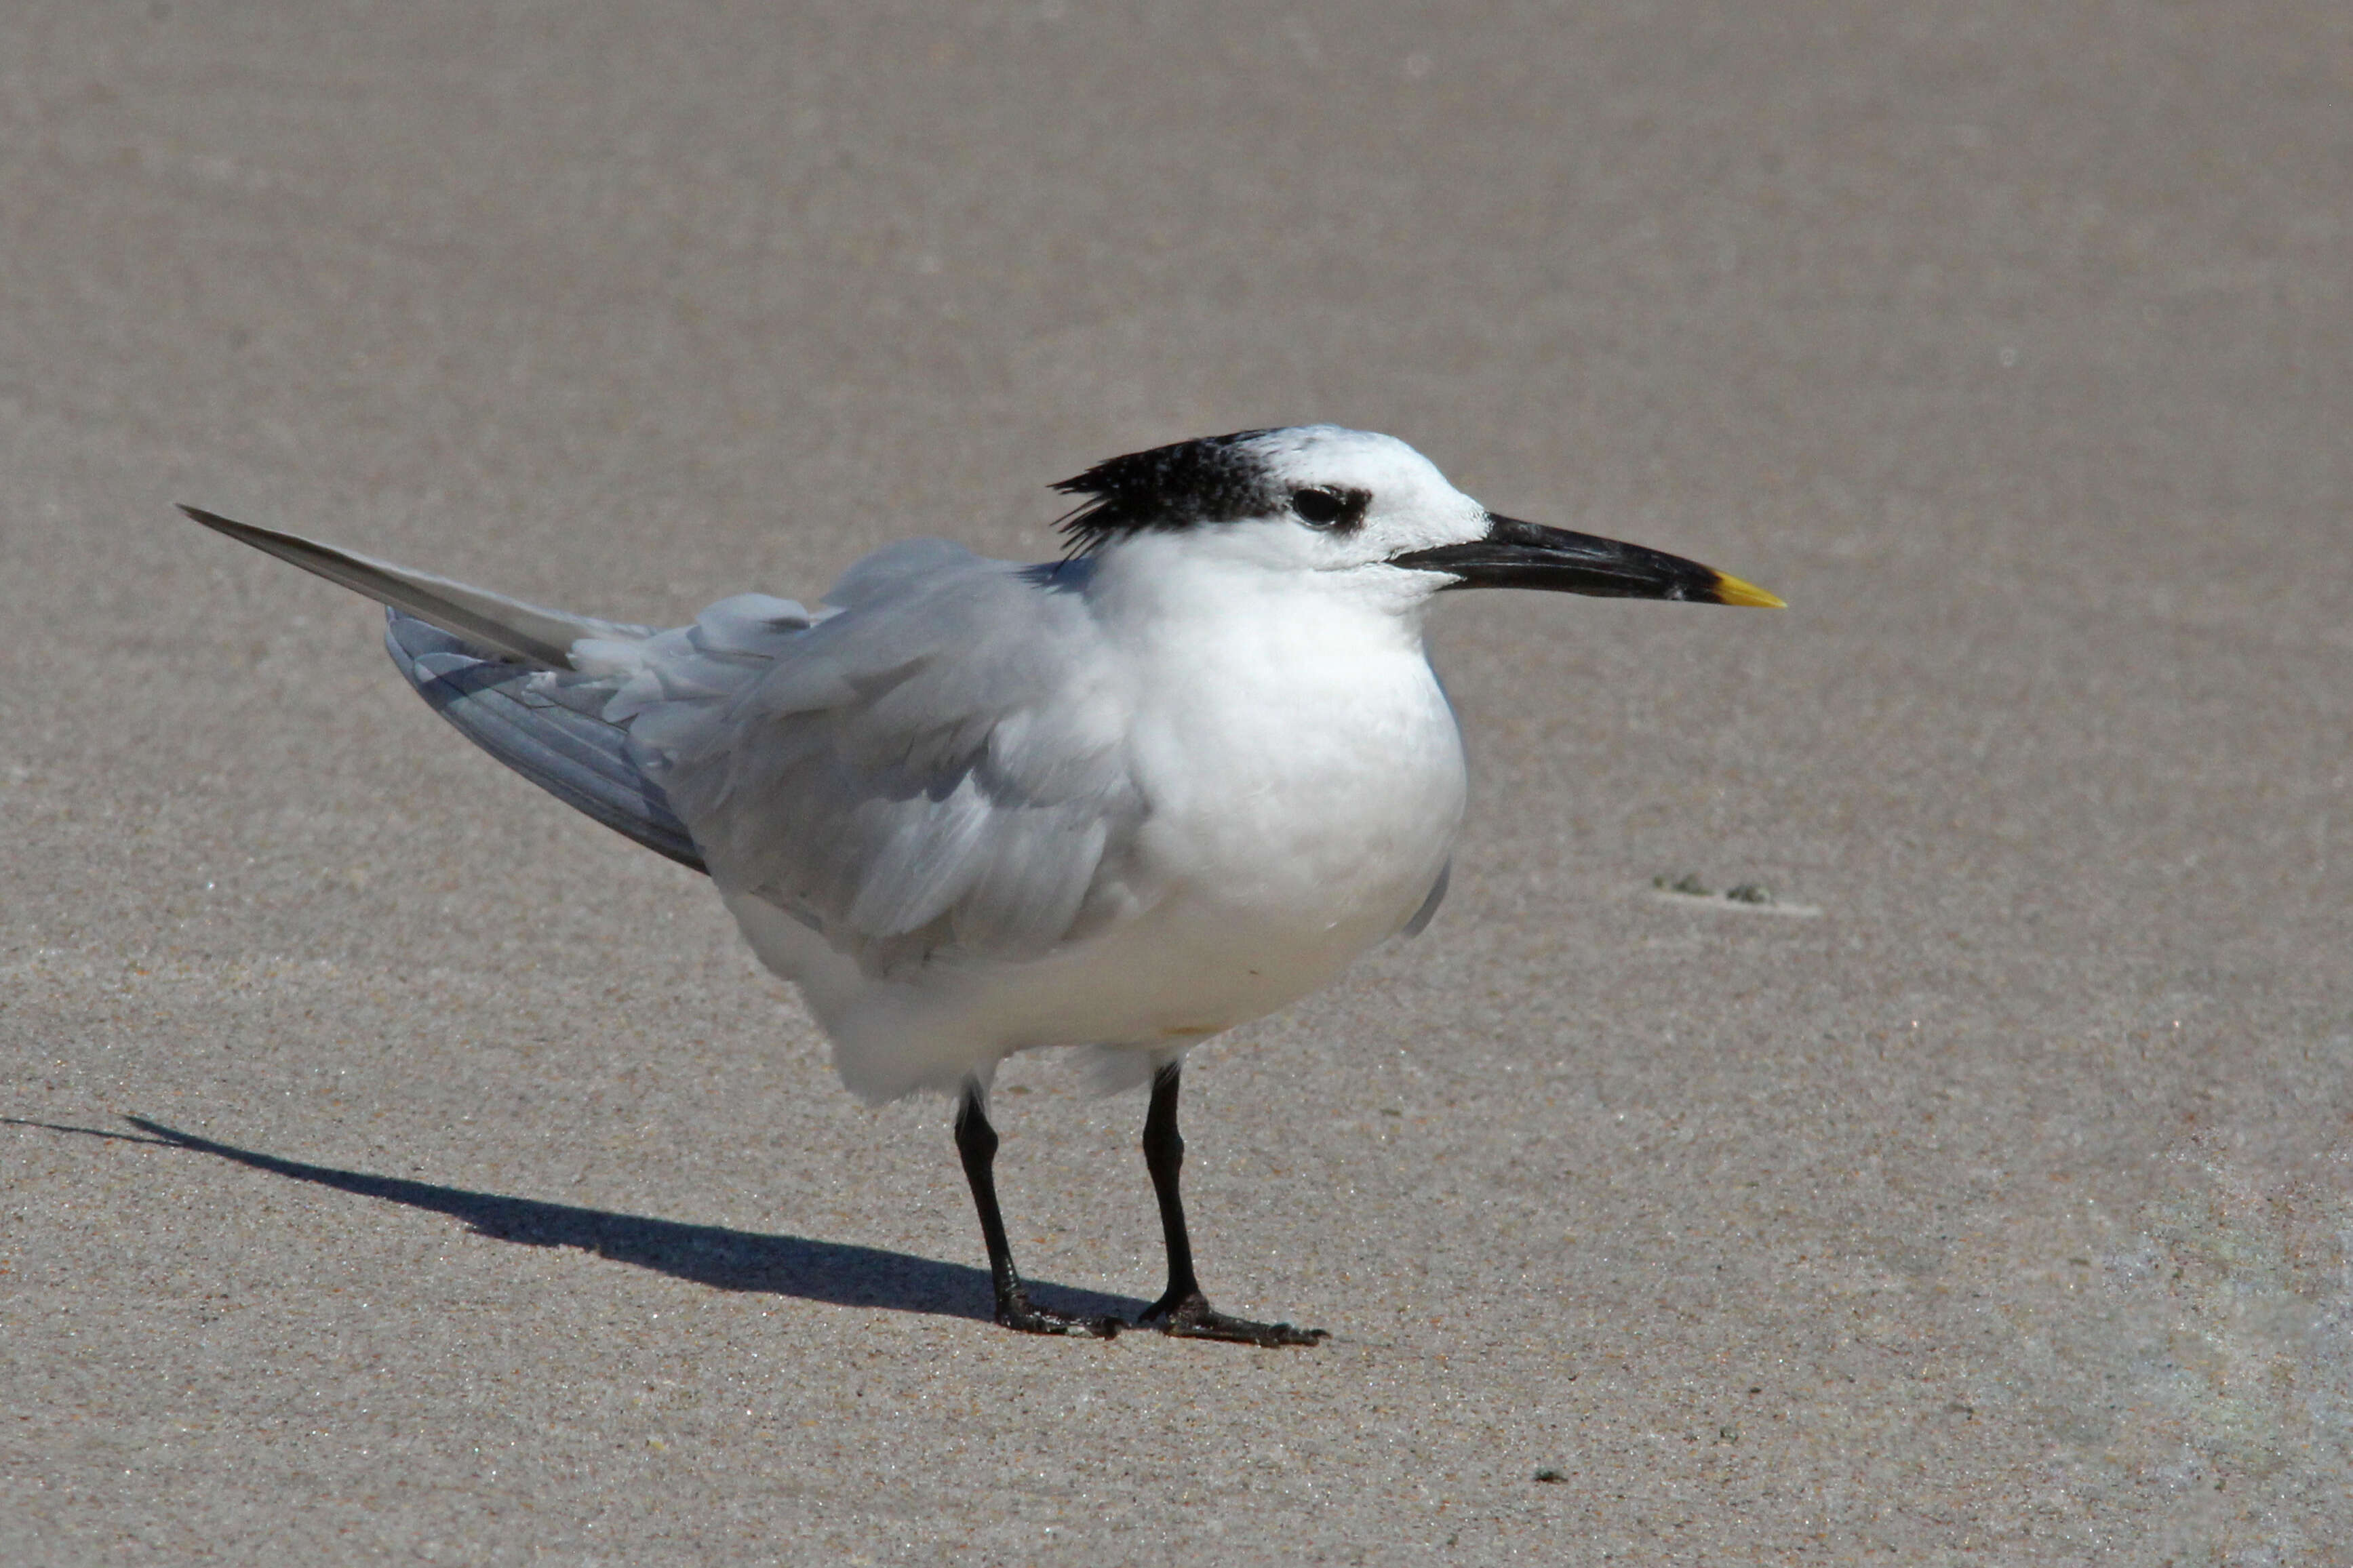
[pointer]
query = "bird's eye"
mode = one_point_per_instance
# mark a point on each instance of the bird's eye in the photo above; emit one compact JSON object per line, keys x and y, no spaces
{"x":1319,"y":508}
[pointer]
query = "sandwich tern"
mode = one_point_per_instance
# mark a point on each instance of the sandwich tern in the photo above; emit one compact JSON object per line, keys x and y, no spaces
{"x":1124,"y":800}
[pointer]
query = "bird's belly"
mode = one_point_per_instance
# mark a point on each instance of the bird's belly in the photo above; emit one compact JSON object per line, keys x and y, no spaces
{"x":1195,"y":967}
{"x":1271,"y":859}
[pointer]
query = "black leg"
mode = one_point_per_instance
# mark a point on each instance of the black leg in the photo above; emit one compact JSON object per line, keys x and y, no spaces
{"x":1183,"y":1310}
{"x":976,"y":1142}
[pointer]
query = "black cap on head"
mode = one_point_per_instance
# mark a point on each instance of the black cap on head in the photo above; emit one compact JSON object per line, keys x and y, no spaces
{"x":1217,"y":478}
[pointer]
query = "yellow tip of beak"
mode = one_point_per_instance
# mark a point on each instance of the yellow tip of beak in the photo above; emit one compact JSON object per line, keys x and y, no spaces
{"x":1733,"y":591}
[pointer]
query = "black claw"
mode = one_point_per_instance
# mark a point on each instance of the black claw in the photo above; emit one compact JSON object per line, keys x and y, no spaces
{"x":1190,"y":1317}
{"x":1038,"y":1321}
{"x":1014,"y":1311}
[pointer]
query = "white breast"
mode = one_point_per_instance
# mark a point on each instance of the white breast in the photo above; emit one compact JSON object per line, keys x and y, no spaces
{"x":1305,"y":781}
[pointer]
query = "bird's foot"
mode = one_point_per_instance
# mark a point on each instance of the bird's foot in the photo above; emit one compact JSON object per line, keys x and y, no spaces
{"x":1014,"y":1311}
{"x":1190,"y":1317}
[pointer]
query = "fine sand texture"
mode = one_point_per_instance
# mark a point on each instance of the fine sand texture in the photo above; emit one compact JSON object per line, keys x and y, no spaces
{"x":397,"y":1166}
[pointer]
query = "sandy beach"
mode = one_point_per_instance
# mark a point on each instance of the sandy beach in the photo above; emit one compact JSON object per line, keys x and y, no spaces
{"x":398,"y":1166}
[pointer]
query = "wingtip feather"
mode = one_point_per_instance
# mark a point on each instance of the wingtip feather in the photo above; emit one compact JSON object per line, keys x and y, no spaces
{"x":493,"y":621}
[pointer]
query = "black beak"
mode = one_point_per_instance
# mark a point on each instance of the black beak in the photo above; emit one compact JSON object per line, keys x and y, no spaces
{"x":1516,"y":554}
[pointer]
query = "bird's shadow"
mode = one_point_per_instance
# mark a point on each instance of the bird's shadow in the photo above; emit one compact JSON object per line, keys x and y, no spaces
{"x":839,"y":1273}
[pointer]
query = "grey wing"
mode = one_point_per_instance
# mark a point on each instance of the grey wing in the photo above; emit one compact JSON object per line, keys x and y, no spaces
{"x":938,"y":766}
{"x":517,"y":713}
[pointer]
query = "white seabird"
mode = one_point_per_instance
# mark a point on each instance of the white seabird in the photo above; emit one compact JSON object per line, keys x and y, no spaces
{"x":1124,"y":800}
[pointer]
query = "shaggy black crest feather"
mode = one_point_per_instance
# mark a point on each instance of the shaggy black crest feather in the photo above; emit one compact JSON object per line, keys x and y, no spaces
{"x":1217,"y":478}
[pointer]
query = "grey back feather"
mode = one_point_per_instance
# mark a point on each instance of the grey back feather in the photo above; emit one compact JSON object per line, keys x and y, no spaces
{"x":936,"y":765}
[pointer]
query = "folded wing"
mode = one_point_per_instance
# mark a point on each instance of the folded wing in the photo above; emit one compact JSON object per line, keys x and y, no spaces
{"x":935,"y":767}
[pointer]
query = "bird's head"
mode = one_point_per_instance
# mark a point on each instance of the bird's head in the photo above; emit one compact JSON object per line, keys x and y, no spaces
{"x":1316,"y":497}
